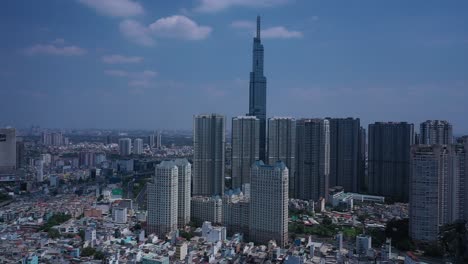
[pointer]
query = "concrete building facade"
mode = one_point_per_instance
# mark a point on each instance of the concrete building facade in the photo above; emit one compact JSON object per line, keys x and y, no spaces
{"x":269,"y":203}
{"x":208,"y":158}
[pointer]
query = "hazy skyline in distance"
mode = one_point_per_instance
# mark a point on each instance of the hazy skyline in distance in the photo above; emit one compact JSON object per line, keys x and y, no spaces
{"x":154,"y":64}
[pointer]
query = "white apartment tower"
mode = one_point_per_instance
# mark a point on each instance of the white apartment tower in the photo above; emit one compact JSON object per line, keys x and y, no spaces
{"x":269,"y":203}
{"x":184,"y":180}
{"x":163,"y":199}
{"x":436,"y":132}
{"x":138,"y":146}
{"x":437,"y":189}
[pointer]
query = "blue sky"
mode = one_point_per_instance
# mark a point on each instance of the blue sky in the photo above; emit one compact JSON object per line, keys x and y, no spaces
{"x":154,"y":64}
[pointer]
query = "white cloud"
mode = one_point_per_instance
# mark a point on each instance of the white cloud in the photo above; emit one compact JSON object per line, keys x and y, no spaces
{"x":120,"y":59}
{"x":149,"y":74}
{"x":136,"y":32}
{"x":243,"y":24}
{"x":219,"y":5}
{"x":51,"y":49}
{"x":272,"y":32}
{"x":114,"y":8}
{"x":280,"y":32}
{"x":117,"y":73}
{"x":136,"y":79}
{"x":179,"y":27}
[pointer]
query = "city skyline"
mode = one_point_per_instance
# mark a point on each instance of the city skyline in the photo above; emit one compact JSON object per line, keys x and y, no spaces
{"x":104,"y":80}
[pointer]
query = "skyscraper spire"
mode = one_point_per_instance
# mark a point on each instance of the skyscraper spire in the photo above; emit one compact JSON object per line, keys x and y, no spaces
{"x":258,"y":27}
{"x":257,"y":90}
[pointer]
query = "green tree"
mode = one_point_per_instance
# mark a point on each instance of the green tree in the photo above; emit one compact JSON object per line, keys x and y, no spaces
{"x":99,"y":255}
{"x":453,"y":240}
{"x":53,"y":233}
{"x":327,"y":221}
{"x":88,"y":251}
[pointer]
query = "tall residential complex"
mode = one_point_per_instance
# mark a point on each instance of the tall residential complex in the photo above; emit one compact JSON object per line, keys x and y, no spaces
{"x":236,"y":212}
{"x":436,"y":132}
{"x":389,"y":150}
{"x":282,"y":146}
{"x":257,"y":90}
{"x":163,"y":199}
{"x":345,"y":151}
{"x":184,"y":180}
{"x":158,"y":139}
{"x":151,"y":141}
{"x":204,"y":208}
{"x":7,"y":150}
{"x":313,"y":158}
{"x":245,"y":148}
{"x":437,"y":189}
{"x":208,"y":158}
{"x":269,"y":203}
{"x":125,"y":146}
{"x":138,"y":146}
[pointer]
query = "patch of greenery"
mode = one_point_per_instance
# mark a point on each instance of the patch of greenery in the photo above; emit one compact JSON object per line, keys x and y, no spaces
{"x":56,"y":219}
{"x":53,"y":233}
{"x":88,"y":251}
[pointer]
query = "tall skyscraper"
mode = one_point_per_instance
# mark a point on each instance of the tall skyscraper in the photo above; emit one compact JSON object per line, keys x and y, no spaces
{"x":151,"y":140}
{"x":57,"y":139}
{"x":282,"y":146}
{"x":158,"y":139}
{"x":313,"y":158}
{"x":436,"y":132}
{"x":389,"y":149}
{"x":437,"y":189}
{"x":163,"y":199}
{"x":7,"y":150}
{"x":125,"y":146}
{"x":344,"y":153}
{"x":185,"y":176}
{"x":269,"y":203}
{"x":208,"y":158}
{"x":362,"y":159}
{"x":137,"y":146}
{"x":245,"y":148}
{"x":257,"y":90}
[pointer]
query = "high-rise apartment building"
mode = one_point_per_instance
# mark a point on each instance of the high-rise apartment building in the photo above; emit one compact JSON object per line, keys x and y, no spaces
{"x":204,"y":208}
{"x":436,"y":132}
{"x":345,"y":151}
{"x":245,"y":148}
{"x":313,"y":158}
{"x":163,"y":199}
{"x":282,"y":146}
{"x":125,"y":146}
{"x":269,"y":203}
{"x":208,"y":158}
{"x":257,"y":90}
{"x":151,"y":140}
{"x":362,"y":172}
{"x":437,"y":189}
{"x":158,"y":139}
{"x":138,"y":146}
{"x":7,"y":150}
{"x":184,"y":180}
{"x":236,"y":212}
{"x":389,"y":149}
